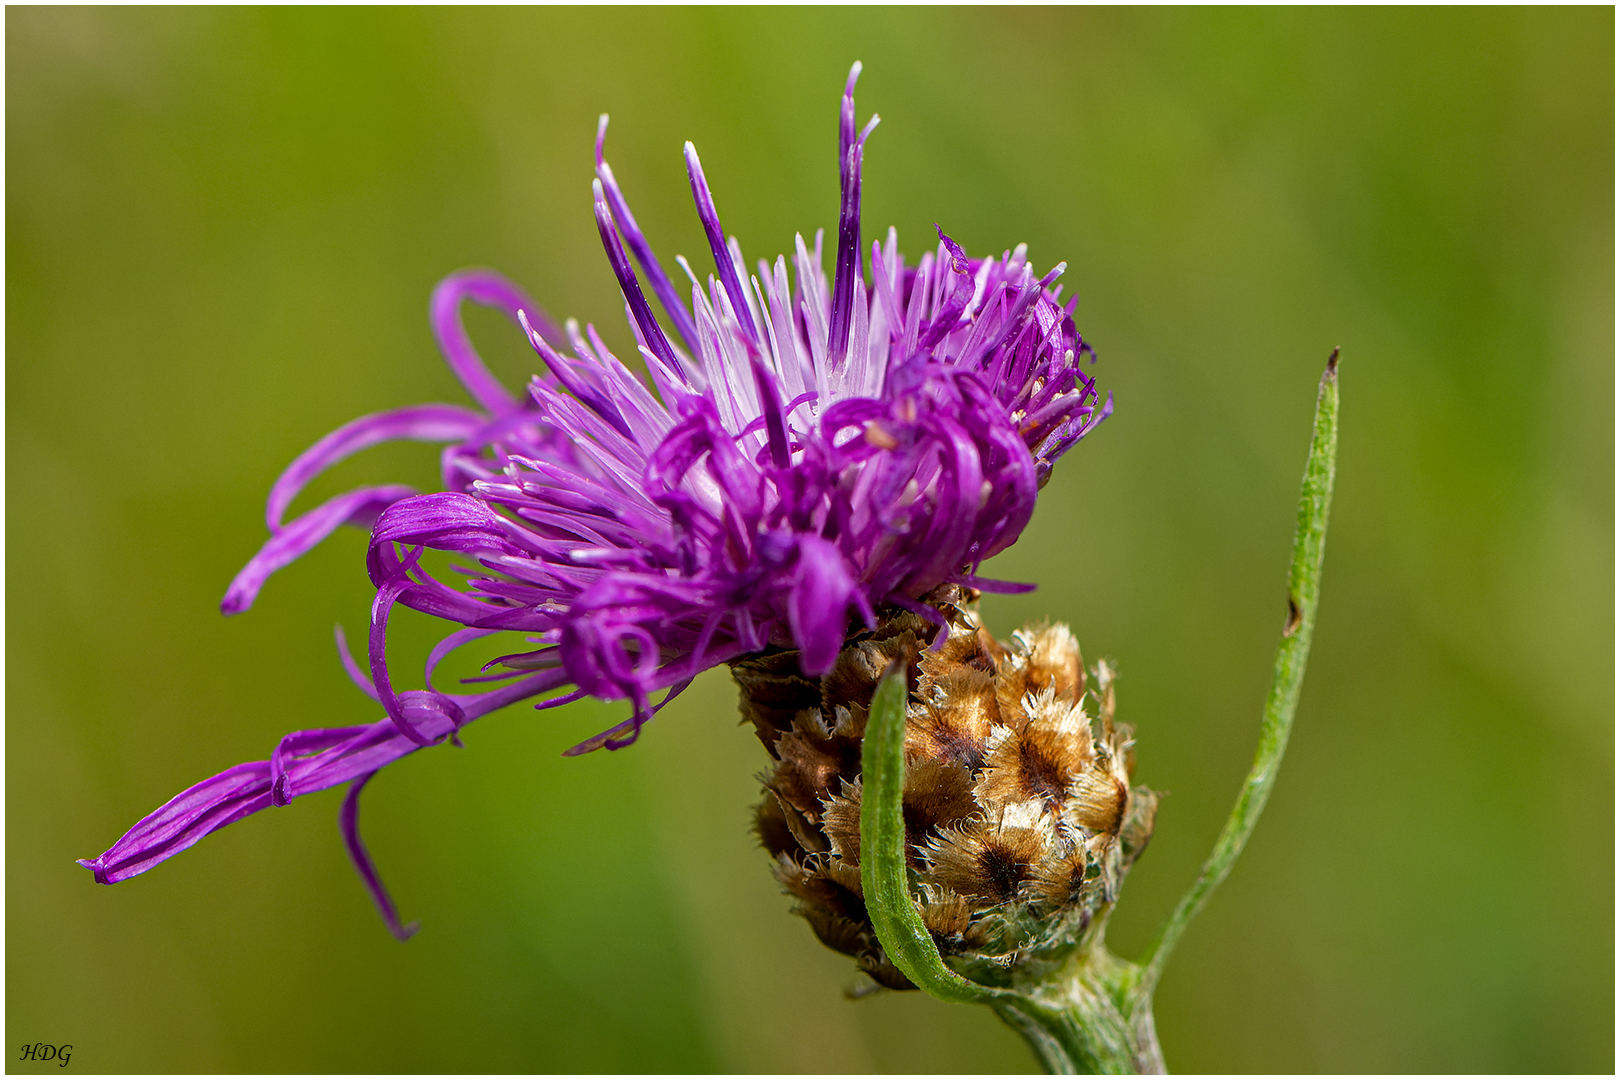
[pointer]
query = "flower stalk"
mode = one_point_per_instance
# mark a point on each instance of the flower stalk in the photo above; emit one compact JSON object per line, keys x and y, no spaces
{"x":1090,"y":1011}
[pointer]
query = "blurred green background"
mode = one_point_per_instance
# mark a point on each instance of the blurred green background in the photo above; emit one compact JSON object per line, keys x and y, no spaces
{"x":222,"y":229}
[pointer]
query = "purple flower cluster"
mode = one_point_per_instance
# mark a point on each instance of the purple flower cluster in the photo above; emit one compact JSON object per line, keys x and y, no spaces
{"x":806,"y":454}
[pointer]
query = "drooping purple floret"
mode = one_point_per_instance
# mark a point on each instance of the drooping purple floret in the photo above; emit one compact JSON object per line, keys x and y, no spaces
{"x":804,"y":456}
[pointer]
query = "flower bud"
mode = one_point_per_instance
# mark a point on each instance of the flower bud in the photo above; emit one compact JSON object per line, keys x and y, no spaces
{"x":1020,"y":818}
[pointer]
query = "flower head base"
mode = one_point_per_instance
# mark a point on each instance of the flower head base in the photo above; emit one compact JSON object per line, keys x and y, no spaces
{"x":1019,"y":814}
{"x":807,"y":453}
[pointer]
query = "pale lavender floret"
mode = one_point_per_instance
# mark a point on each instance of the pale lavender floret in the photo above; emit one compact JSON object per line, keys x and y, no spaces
{"x":807,"y":453}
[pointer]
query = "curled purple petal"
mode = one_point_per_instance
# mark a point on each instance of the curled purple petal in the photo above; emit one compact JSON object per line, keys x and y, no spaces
{"x":349,"y":826}
{"x":494,"y":290}
{"x":359,"y":507}
{"x":424,"y":423}
{"x":450,"y":644}
{"x":351,"y":667}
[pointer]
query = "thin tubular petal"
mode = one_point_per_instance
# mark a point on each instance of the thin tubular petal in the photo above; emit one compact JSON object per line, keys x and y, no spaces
{"x":493,"y":290}
{"x":847,"y":266}
{"x":349,"y":826}
{"x":352,"y":667}
{"x":645,"y":321}
{"x":710,"y":217}
{"x":449,"y":644}
{"x":424,"y":423}
{"x":359,"y":507}
{"x":662,"y":286}
{"x":184,"y":820}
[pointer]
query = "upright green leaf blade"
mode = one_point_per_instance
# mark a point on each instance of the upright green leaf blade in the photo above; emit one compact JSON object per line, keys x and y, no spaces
{"x":894,"y":914}
{"x":1288,"y":672}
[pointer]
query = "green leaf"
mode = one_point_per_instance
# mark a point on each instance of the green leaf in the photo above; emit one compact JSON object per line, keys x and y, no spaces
{"x":1288,"y":672}
{"x":889,"y":904}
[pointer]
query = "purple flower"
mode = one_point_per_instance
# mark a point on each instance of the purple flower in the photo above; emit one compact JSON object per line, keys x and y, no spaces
{"x":807,"y":453}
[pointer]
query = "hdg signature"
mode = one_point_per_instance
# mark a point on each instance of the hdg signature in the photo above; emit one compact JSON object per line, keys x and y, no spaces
{"x":47,"y":1052}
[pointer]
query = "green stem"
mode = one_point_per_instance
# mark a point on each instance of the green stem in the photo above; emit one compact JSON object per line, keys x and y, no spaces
{"x":1304,"y":585}
{"x":1090,"y":1017}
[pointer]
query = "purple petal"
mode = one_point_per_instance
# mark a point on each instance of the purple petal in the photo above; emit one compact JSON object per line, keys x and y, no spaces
{"x":710,"y":217}
{"x":302,"y":744}
{"x":444,"y":311}
{"x":448,"y":645}
{"x":847,"y":265}
{"x":645,"y":321}
{"x":423,"y":423}
{"x":667,"y":295}
{"x":380,"y":608}
{"x":184,"y":820}
{"x":349,"y":826}
{"x":622,"y":735}
{"x":563,"y":369}
{"x":247,"y":788}
{"x":350,"y":666}
{"x":993,"y":585}
{"x":360,"y":507}
{"x":448,"y":521}
{"x":818,"y":604}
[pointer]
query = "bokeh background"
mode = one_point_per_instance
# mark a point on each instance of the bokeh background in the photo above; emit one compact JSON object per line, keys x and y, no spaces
{"x":222,"y":227}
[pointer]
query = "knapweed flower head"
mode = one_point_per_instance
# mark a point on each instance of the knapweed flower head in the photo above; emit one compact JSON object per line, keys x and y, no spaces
{"x":802,"y":455}
{"x":1020,"y":819}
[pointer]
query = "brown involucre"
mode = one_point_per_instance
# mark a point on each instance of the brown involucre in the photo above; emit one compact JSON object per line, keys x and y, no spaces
{"x":1020,"y":818}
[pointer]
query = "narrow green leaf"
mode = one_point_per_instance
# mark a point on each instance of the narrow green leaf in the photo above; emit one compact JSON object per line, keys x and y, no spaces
{"x":889,"y":903}
{"x":1288,"y":673}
